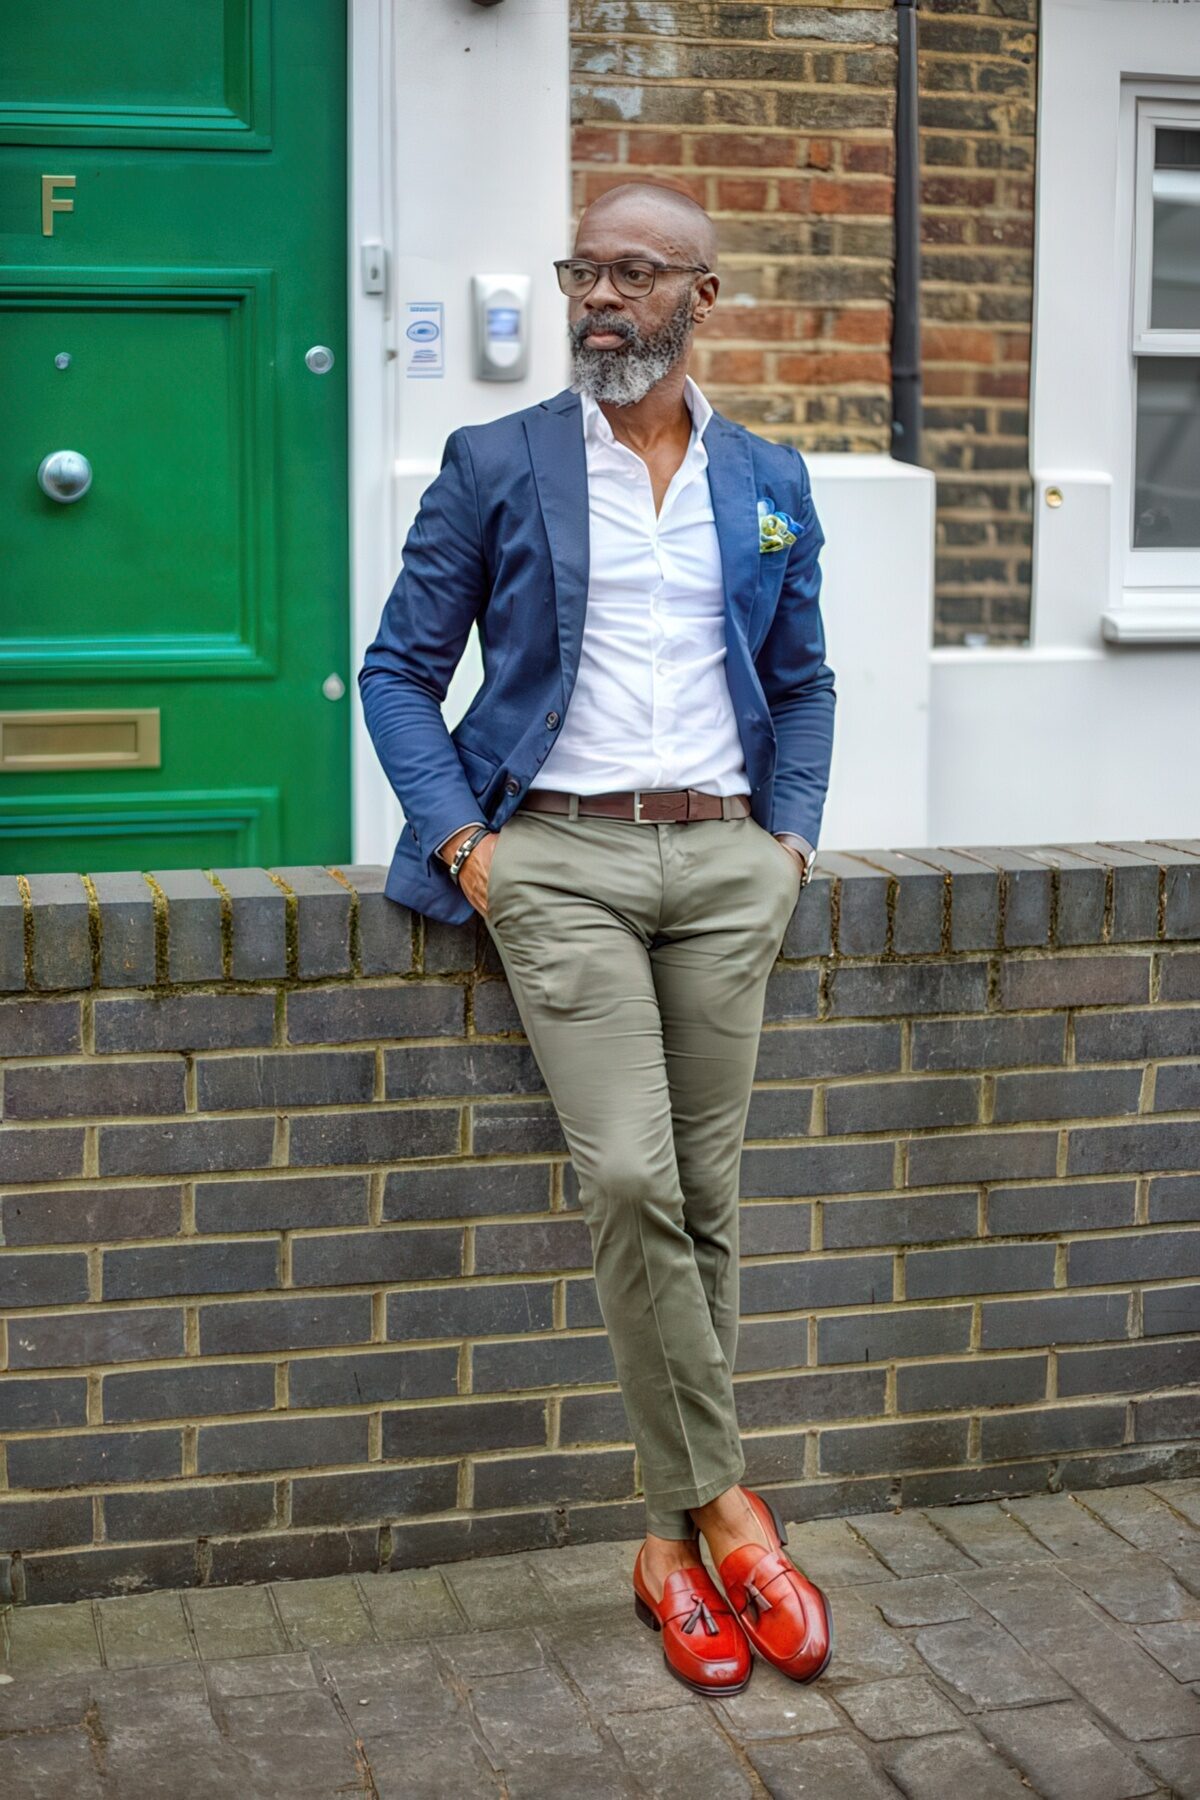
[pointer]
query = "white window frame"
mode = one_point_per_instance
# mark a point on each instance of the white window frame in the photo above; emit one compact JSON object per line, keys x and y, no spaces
{"x":1159,"y":598}
{"x":1096,"y":58}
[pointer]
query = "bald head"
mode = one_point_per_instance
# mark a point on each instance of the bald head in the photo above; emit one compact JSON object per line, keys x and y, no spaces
{"x":653,"y":218}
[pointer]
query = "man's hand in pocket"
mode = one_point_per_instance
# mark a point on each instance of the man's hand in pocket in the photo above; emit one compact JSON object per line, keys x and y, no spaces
{"x":474,"y":874}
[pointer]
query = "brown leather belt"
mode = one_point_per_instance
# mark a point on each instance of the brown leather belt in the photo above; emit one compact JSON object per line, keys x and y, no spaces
{"x":645,"y":806}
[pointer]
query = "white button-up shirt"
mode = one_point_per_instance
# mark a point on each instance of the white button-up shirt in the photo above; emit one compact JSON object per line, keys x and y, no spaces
{"x":650,"y":707}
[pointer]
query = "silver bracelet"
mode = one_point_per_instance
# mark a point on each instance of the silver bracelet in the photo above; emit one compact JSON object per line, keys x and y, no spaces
{"x":464,"y":850}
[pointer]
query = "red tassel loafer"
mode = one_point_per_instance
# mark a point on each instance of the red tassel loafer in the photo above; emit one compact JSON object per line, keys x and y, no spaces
{"x":785,"y":1615}
{"x":703,"y":1644}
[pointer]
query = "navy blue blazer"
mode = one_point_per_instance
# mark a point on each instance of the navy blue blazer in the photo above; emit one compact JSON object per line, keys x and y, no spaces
{"x":502,"y":538}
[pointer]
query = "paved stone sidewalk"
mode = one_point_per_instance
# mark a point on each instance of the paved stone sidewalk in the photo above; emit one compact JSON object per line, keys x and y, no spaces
{"x":1046,"y":1646}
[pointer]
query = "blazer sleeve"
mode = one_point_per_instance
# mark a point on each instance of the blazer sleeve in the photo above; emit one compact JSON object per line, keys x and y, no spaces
{"x":442,"y":587}
{"x":799,"y":683}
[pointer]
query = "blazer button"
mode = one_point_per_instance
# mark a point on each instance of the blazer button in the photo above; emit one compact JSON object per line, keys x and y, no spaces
{"x":512,"y":787}
{"x":552,"y":719}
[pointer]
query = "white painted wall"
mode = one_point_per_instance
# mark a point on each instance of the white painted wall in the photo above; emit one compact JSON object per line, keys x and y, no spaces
{"x":876,"y":604}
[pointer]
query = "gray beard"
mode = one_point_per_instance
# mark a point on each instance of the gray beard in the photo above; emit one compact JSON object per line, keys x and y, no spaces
{"x":623,"y":377}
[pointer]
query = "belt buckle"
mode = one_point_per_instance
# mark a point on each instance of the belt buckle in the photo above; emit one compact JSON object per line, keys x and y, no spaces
{"x":674,"y":812}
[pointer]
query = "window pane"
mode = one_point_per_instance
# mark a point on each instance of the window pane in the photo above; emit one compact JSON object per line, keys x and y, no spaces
{"x":1166,"y":501}
{"x":1175,"y":269}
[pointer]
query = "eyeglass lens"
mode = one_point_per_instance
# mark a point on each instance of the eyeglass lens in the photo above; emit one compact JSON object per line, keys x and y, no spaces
{"x":629,"y":276}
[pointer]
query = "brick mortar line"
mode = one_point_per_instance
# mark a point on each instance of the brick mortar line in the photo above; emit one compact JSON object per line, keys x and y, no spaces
{"x":459,"y":1104}
{"x":766,"y":1259}
{"x":972,"y":1358}
{"x":1049,"y":1402}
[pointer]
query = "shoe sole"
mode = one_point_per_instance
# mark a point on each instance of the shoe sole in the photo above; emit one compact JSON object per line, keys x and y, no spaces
{"x":698,"y":1687}
{"x":803,"y":1680}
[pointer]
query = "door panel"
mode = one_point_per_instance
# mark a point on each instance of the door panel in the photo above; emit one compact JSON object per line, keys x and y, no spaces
{"x":146,"y":72}
{"x":159,"y":329}
{"x":183,"y":482}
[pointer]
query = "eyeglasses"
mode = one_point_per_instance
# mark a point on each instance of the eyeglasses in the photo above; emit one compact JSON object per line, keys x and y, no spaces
{"x":633,"y":276}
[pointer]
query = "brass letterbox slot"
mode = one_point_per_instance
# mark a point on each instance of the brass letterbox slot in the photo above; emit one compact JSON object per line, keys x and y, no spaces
{"x":113,"y":739}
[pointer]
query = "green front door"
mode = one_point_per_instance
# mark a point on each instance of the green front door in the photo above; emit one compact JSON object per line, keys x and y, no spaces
{"x":174,"y":642}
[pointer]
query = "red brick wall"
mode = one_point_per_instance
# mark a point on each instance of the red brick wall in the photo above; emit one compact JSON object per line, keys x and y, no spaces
{"x":780,"y":120}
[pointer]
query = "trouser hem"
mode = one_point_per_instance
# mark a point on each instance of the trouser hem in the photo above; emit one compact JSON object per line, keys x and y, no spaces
{"x":667,"y":1510}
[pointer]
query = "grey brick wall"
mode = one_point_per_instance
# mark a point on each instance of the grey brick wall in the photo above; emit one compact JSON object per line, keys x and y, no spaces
{"x":292,"y":1273}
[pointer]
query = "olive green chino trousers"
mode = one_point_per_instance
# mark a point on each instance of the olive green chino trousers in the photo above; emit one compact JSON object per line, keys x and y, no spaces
{"x":638,"y":956}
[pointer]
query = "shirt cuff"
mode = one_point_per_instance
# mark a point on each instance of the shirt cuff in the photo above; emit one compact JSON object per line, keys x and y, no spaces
{"x":797,"y":842}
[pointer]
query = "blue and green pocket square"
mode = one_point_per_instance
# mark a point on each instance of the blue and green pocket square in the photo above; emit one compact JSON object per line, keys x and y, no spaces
{"x":777,"y":530}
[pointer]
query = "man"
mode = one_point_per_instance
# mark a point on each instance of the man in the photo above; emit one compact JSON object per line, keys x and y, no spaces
{"x":632,"y":803}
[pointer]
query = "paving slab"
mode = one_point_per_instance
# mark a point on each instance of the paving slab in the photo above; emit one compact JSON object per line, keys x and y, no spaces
{"x":475,"y":1654}
{"x":553,"y":1774}
{"x":867,"y":1649}
{"x":394,"y":1688}
{"x":936,"y":1768}
{"x":774,"y":1707}
{"x":1139,"y":1515}
{"x":52,"y":1640}
{"x":413,"y":1604}
{"x":1183,"y":1496}
{"x":617,"y":1667}
{"x":234,"y":1622}
{"x":532,"y":1712}
{"x":408,"y":1766}
{"x":1064,"y":1525}
{"x":142,"y":1630}
{"x":1138,"y":1589}
{"x":502,"y":1590}
{"x":260,"y":1675}
{"x":1066,"y":1756}
{"x":908,"y":1544}
{"x":986,"y":1665}
{"x":49,"y":1765}
{"x":43,"y":1702}
{"x":317,"y":1613}
{"x":1177,"y":1762}
{"x":987,"y":1533}
{"x":832,"y":1555}
{"x":679,"y":1750}
{"x":298,"y":1741}
{"x":834,"y":1768}
{"x":595,"y":1576}
{"x":910,"y":1707}
{"x":1176,"y":1645}
{"x":923,"y":1600}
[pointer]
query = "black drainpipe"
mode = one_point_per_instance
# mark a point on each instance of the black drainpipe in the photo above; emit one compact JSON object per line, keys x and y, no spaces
{"x":906,"y":313}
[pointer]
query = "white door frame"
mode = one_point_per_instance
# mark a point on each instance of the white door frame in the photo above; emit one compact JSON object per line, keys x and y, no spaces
{"x":459,"y":162}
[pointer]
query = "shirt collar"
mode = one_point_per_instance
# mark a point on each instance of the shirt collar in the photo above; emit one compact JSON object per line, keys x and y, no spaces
{"x":596,"y":426}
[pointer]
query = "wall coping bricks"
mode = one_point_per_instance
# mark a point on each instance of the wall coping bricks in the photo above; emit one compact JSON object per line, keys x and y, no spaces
{"x":67,"y":932}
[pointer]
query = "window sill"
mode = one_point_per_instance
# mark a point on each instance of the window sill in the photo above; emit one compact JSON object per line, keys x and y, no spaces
{"x":1153,"y":622}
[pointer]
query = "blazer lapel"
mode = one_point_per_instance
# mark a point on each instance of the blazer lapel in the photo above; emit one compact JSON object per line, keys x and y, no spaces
{"x":735,"y":508}
{"x":555,"y":435}
{"x":554,"y":432}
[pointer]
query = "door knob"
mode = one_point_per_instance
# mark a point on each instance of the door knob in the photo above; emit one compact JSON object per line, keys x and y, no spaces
{"x":65,"y":475}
